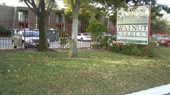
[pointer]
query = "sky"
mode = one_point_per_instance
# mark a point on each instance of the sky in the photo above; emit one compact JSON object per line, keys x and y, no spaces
{"x":61,"y":5}
{"x":15,"y":2}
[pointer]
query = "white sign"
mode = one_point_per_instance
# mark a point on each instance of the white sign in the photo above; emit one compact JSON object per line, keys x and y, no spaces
{"x":133,"y":25}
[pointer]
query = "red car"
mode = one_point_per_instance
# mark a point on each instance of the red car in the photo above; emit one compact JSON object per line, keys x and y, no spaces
{"x":163,"y":40}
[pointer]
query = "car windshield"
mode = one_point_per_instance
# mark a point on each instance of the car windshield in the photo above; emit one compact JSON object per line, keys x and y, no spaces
{"x":165,"y":36}
{"x":31,"y":34}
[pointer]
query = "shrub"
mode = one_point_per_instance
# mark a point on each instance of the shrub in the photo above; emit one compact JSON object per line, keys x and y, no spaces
{"x":110,"y":48}
{"x":96,"y":30}
{"x":96,"y":46}
{"x":150,"y":51}
{"x":114,"y":48}
{"x":111,"y":40}
{"x":103,"y":42}
{"x":137,"y":51}
{"x":106,"y":41}
{"x":63,"y":41}
{"x":127,"y":49}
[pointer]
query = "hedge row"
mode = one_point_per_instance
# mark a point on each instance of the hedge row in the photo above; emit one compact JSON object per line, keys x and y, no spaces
{"x":127,"y":49}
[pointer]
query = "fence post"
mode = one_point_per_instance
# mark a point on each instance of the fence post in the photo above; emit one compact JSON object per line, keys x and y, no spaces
{"x":24,"y":33}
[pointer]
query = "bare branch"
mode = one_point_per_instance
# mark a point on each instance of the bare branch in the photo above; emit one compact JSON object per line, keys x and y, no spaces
{"x":33,"y":4}
{"x":50,"y":6}
{"x":39,"y":6}
{"x":30,"y":7}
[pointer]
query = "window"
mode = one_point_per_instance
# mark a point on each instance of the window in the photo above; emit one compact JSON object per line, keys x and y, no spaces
{"x":57,"y":17}
{"x":31,"y":34}
{"x":23,"y":16}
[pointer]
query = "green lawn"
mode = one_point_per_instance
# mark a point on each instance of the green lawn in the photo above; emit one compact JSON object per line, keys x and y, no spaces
{"x":94,"y":72}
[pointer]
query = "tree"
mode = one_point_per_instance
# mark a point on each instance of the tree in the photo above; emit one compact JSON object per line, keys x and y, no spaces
{"x":75,"y":5}
{"x":3,"y":4}
{"x":86,"y":11}
{"x":109,"y":7}
{"x":159,"y":24}
{"x":113,"y":5}
{"x":155,"y":12}
{"x":96,"y":30}
{"x":42,"y":11}
{"x":47,"y":3}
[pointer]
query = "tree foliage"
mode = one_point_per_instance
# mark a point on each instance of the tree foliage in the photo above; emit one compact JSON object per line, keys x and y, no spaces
{"x":108,"y":8}
{"x":47,"y":3}
{"x":3,"y":4}
{"x":159,"y":24}
{"x":96,"y":30}
{"x":156,"y":9}
{"x":85,"y":13}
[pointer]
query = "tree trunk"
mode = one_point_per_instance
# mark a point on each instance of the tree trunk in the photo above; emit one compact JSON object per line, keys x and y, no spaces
{"x":73,"y":47}
{"x":42,"y":21}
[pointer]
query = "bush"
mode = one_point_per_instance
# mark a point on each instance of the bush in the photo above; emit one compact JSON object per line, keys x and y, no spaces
{"x":103,"y":42}
{"x":137,"y":51}
{"x":127,"y":49}
{"x":114,"y":48}
{"x":106,"y":41}
{"x":63,"y":41}
{"x":96,"y":30}
{"x":95,"y":46}
{"x":150,"y":49}
{"x":150,"y":52}
{"x":110,"y":48}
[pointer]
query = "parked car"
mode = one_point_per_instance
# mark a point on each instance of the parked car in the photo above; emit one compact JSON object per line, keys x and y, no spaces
{"x":106,"y":34}
{"x":84,"y":37}
{"x":161,"y":39}
{"x":27,"y":39}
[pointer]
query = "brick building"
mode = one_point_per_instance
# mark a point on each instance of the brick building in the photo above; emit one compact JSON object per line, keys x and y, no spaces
{"x":20,"y":17}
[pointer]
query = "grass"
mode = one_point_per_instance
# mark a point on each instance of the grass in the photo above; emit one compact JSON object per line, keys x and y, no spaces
{"x":92,"y":73}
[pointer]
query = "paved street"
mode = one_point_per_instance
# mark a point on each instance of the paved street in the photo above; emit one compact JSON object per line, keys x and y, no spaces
{"x":161,"y":90}
{"x":5,"y":43}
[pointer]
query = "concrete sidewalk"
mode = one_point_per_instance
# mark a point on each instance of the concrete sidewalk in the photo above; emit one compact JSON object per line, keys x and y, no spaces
{"x":161,"y":90}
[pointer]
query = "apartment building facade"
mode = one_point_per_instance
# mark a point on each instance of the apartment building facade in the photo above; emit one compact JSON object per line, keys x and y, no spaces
{"x":23,"y":17}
